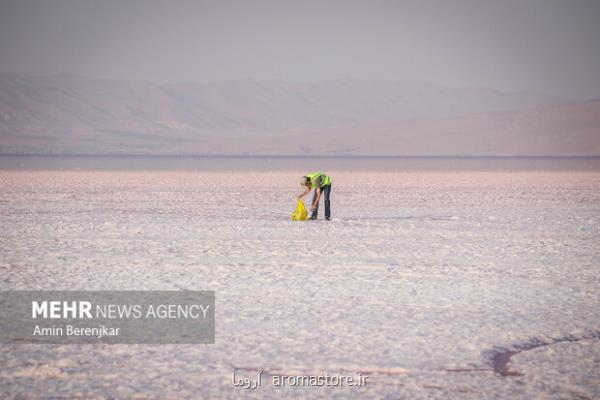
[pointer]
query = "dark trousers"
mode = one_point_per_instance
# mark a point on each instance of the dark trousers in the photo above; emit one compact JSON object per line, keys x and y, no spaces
{"x":325,"y":192}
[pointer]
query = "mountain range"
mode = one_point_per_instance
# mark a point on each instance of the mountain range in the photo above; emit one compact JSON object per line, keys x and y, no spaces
{"x":71,"y":114}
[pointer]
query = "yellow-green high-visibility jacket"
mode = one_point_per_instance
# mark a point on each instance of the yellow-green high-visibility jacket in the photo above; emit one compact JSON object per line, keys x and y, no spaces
{"x":318,"y":177}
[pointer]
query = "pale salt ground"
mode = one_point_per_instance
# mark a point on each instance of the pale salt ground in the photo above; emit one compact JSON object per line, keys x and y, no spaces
{"x":424,"y":281}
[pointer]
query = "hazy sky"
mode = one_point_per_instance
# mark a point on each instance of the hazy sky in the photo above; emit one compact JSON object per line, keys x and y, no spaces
{"x":547,"y":46}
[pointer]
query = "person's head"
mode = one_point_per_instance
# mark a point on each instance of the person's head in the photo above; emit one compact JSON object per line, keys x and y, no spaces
{"x":305,"y":181}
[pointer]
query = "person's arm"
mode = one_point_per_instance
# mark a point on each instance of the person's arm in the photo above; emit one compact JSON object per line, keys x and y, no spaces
{"x":316,"y":203}
{"x":306,"y":191}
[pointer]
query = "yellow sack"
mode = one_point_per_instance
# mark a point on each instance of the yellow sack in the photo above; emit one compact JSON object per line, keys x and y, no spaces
{"x":300,"y":212}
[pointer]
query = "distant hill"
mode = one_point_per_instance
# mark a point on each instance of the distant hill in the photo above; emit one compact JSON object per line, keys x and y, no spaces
{"x":79,"y":115}
{"x":565,"y":130}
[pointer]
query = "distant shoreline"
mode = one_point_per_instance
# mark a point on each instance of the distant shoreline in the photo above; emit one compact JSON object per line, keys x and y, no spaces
{"x":309,"y":156}
{"x":271,"y":163}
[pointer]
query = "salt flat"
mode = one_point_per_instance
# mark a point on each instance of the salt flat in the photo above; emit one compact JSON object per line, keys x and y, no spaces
{"x":426,"y":281}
